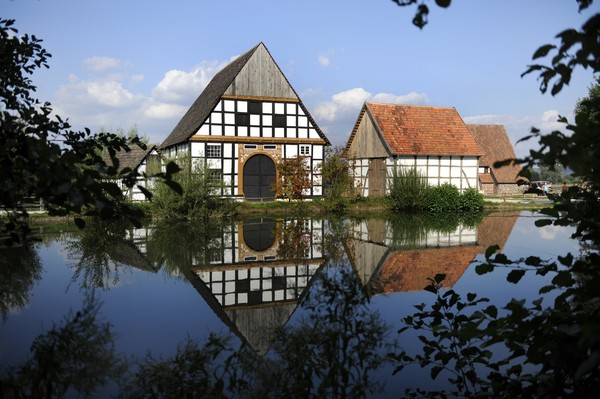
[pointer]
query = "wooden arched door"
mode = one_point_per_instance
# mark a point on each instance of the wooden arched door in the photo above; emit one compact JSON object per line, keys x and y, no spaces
{"x":259,"y":178}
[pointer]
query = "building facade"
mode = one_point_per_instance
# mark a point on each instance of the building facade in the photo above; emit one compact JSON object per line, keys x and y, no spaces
{"x":248,"y":119}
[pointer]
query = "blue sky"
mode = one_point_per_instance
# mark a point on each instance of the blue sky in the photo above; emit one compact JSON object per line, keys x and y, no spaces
{"x":119,"y":64}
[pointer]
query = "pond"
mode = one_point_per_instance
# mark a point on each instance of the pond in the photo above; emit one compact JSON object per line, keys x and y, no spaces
{"x":313,"y":305}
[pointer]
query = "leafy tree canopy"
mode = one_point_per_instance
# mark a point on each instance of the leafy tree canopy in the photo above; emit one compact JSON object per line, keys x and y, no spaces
{"x":42,"y":158}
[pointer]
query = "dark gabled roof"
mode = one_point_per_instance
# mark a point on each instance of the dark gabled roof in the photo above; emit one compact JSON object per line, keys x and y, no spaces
{"x":131,"y":159}
{"x":494,"y":141}
{"x":208,"y":99}
{"x":204,"y":104}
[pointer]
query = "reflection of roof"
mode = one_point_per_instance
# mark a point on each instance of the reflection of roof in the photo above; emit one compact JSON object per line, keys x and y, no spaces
{"x":401,"y":271}
{"x":494,"y":141}
{"x":127,"y":253}
{"x":405,"y":271}
{"x":495,"y":229}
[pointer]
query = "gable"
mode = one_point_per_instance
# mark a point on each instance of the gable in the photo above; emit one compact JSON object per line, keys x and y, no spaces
{"x":365,"y":141}
{"x":252,"y":77}
{"x":494,"y":141}
{"x":261,"y":77}
{"x":423,"y":130}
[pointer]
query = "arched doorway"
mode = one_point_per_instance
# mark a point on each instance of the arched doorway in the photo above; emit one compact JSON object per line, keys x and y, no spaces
{"x":259,"y":178}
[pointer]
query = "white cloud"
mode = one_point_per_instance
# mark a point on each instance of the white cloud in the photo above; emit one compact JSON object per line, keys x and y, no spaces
{"x":99,"y":64}
{"x":80,"y":94}
{"x":349,"y":102}
{"x":164,"y":111}
{"x":324,"y":61}
{"x":337,"y":116}
{"x":184,"y":87}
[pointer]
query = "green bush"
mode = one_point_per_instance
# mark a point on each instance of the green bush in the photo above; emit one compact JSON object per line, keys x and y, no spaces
{"x":199,"y":198}
{"x":471,"y":200}
{"x":408,"y":190}
{"x":443,"y":198}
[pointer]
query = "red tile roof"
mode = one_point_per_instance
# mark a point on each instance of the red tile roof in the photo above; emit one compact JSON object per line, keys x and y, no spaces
{"x":497,"y":146}
{"x":423,"y":130}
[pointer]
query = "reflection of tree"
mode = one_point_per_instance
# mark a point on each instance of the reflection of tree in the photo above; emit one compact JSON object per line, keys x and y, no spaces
{"x":76,"y":355}
{"x":294,"y":240}
{"x":332,"y":350}
{"x":19,"y":268}
{"x":182,"y":245}
{"x":329,"y":353}
{"x":91,"y":251}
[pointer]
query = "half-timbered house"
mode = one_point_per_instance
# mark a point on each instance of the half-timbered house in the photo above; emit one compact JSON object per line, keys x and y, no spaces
{"x":245,"y":121}
{"x":494,"y":141}
{"x":140,"y":160}
{"x":433,"y":140}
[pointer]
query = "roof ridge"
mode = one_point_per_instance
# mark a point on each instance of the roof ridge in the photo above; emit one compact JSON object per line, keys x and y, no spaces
{"x":410,"y":105}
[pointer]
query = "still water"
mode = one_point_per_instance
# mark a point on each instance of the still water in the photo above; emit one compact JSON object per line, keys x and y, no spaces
{"x":336,"y":289}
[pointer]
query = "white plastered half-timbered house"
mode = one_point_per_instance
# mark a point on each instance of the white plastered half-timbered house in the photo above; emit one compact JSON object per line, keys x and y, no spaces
{"x":245,"y":121}
{"x":433,"y":140}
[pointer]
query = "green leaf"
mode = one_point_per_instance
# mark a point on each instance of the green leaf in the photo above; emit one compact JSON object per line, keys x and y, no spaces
{"x":491,"y":250}
{"x":435,"y":371}
{"x":566,"y":260}
{"x":80,"y":223}
{"x":543,"y":51}
{"x":172,"y":168}
{"x":533,"y":261}
{"x":515,"y":275}
{"x":543,"y":222}
{"x":484,"y":268}
{"x":563,"y":279}
{"x":491,"y":311}
{"x":173,"y":185}
{"x":145,"y":191}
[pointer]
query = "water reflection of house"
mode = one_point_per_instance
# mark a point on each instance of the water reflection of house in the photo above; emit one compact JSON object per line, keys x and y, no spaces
{"x":387,"y":265}
{"x":252,"y":283}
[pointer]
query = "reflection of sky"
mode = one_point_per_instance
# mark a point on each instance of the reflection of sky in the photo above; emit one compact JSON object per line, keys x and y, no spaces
{"x":526,"y":239}
{"x":151,"y":311}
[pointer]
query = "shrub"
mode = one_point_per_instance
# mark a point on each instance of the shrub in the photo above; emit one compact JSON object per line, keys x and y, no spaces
{"x":443,"y":198}
{"x":408,"y":189}
{"x":294,"y":177}
{"x":471,"y":200}
{"x":198,"y":199}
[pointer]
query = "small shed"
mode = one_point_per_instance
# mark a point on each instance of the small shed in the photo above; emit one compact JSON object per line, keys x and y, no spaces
{"x":433,"y":140}
{"x":494,"y":141}
{"x":140,"y":160}
{"x":245,"y":121}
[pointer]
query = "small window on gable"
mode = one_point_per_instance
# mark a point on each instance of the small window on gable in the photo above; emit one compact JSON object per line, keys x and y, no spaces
{"x":250,"y":146}
{"x":254,"y":107}
{"x":270,"y":146}
{"x":213,"y":150}
{"x":304,"y":150}
{"x":279,"y":120}
{"x":242,"y":119}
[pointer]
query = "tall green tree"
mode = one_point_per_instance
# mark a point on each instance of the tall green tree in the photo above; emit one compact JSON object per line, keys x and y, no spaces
{"x":545,"y":349}
{"x":42,"y":158}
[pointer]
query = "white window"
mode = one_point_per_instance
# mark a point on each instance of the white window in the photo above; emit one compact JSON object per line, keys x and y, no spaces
{"x":213,"y":151}
{"x":304,"y":150}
